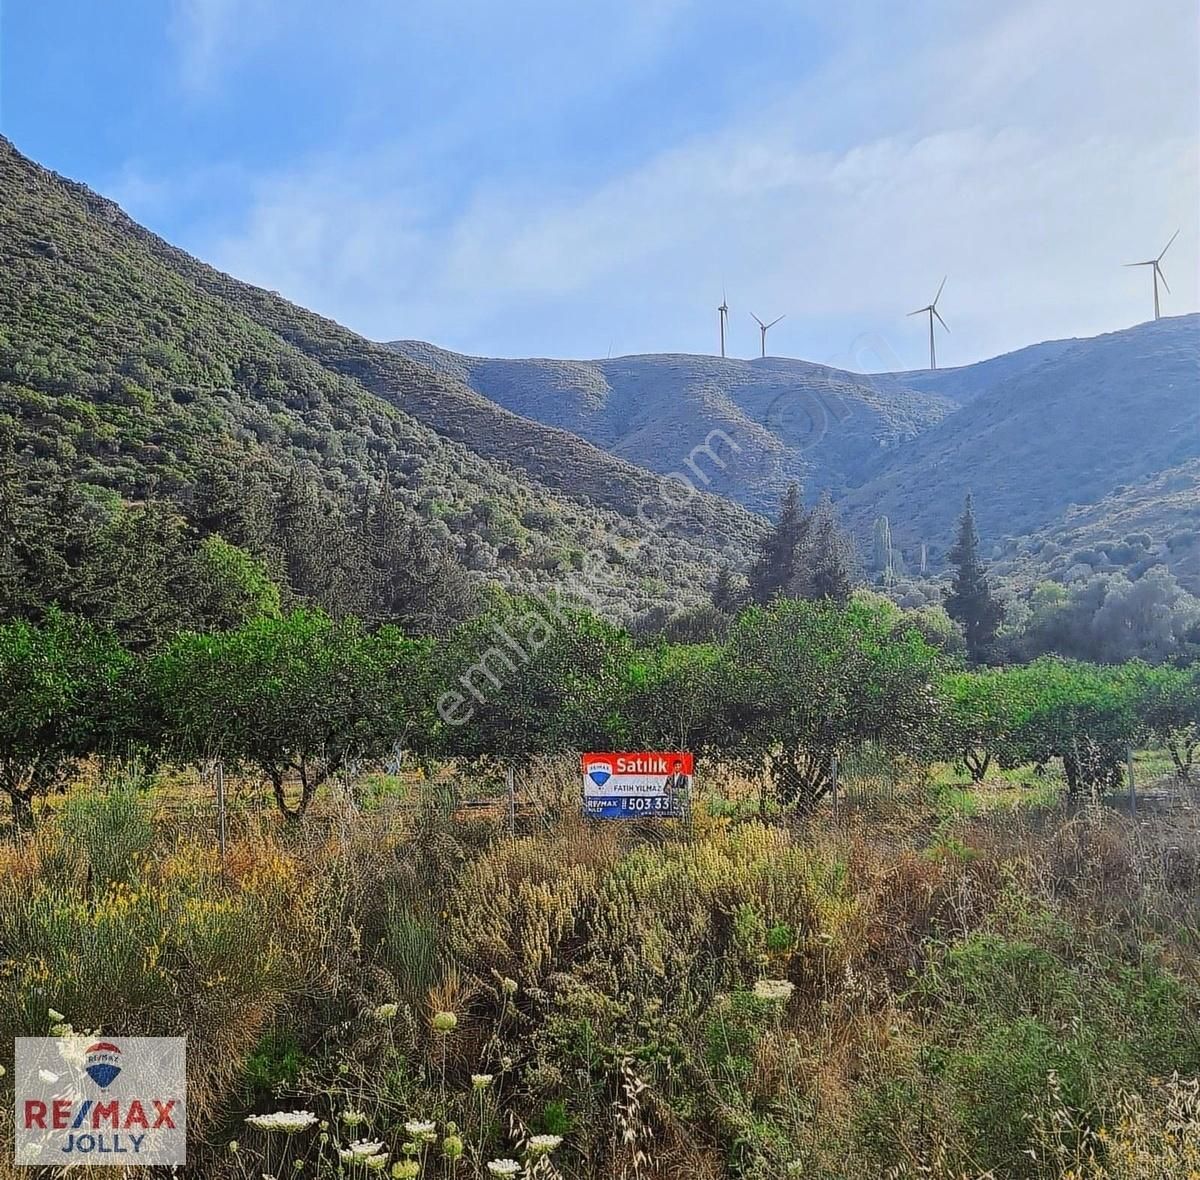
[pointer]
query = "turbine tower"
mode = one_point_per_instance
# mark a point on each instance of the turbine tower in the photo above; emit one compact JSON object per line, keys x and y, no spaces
{"x":723,"y":315}
{"x":933,"y":311}
{"x":1156,"y":271}
{"x":763,"y":329}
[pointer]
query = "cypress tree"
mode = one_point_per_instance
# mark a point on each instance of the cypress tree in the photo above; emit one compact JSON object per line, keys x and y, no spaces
{"x":969,"y":600}
{"x":775,"y":569}
{"x":828,"y":558}
{"x":728,"y":592}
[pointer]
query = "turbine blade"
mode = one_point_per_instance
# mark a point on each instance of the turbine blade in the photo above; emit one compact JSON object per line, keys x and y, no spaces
{"x":940,"y":320}
{"x":776,"y":320}
{"x":939,"y":294}
{"x":1162,"y":276}
{"x":757,"y":320}
{"x":919,"y":311}
{"x":1167,"y":246}
{"x":1150,"y":263}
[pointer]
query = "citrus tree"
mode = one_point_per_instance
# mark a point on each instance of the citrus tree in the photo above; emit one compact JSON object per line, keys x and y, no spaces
{"x":675,"y":697}
{"x":66,"y":688}
{"x":1169,"y":708}
{"x":811,"y":679}
{"x":297,"y":697}
{"x":1085,"y":714}
{"x":526,"y":678}
{"x":980,"y":717}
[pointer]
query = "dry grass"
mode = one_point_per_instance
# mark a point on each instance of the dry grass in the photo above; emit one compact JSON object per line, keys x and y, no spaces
{"x":925,"y":954}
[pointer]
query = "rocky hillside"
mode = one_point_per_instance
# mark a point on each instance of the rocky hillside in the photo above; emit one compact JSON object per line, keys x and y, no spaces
{"x":780,"y":420}
{"x":1042,"y":436}
{"x":1094,"y":420}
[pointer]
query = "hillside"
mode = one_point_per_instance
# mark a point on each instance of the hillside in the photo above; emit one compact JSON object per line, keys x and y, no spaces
{"x":125,"y":364}
{"x":1036,"y":434}
{"x":964,"y":383}
{"x":1133,"y":528}
{"x":1100,"y":417}
{"x":787,"y":419}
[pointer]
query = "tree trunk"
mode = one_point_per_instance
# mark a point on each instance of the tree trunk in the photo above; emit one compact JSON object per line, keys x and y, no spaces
{"x":22,"y":808}
{"x":802,"y":778}
{"x":1182,"y":753}
{"x":276,"y":777}
{"x":977,"y":766}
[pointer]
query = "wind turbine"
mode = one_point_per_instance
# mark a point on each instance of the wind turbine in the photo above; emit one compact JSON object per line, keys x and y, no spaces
{"x":763,"y":329}
{"x":723,"y":315}
{"x":933,"y":311}
{"x":1156,"y":271}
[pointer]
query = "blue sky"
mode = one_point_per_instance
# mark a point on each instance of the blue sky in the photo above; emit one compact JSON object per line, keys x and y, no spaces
{"x":570,"y":178}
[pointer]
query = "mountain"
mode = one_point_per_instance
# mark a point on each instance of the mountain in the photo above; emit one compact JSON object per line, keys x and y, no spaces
{"x":126,"y":364}
{"x":963,"y":383}
{"x":1156,"y":522}
{"x":1035,"y":434}
{"x":1089,"y":421}
{"x":777,"y":420}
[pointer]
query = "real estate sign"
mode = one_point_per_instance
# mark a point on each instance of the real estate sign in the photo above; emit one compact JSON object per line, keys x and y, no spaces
{"x":636,"y":785}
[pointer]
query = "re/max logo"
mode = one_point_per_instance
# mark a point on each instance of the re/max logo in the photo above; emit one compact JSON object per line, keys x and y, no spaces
{"x":125,"y":1116}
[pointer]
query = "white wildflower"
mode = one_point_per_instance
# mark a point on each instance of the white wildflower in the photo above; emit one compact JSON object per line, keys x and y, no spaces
{"x":288,"y":1121}
{"x":421,"y":1131}
{"x":775,"y":991}
{"x":542,"y":1144}
{"x":503,"y":1167}
{"x":361,"y":1151}
{"x":481,"y":1081}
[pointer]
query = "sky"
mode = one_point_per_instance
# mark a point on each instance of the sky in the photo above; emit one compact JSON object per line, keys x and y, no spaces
{"x":582,"y":178}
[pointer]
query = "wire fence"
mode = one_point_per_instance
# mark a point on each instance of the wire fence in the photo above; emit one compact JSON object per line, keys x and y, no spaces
{"x":868,"y":782}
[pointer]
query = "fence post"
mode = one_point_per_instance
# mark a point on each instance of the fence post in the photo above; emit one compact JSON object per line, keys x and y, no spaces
{"x":1132,"y":782}
{"x":221,"y":829}
{"x":833,"y":772}
{"x":510,"y":782}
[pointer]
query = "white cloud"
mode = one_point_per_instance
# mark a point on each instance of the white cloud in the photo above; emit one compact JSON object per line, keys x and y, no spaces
{"x":212,"y":36}
{"x":1027,"y":158}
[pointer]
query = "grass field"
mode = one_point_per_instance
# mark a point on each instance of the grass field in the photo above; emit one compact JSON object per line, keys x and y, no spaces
{"x":948,"y":982}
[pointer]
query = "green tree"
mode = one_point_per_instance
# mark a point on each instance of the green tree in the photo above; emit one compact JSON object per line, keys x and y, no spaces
{"x":980,"y":718}
{"x":811,"y":679}
{"x":233,"y":587}
{"x":1082,"y":713}
{"x":826,"y":561}
{"x":527,"y":678}
{"x":777,"y":564}
{"x":300,"y":696}
{"x":969,"y":600}
{"x":675,"y":697}
{"x":728,"y":592}
{"x":1169,"y":708}
{"x":65,"y":689}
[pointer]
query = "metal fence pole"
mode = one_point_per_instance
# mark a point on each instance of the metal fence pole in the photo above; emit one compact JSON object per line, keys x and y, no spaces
{"x":221,"y":826}
{"x":1132,"y":782}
